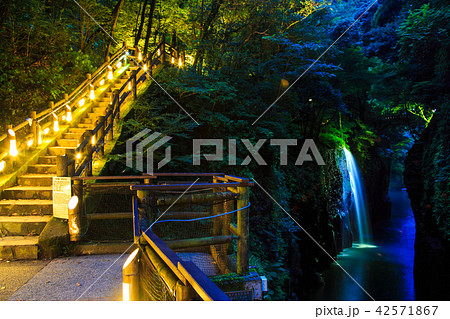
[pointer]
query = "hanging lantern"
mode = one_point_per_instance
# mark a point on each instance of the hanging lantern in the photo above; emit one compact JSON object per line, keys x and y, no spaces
{"x":12,"y":143}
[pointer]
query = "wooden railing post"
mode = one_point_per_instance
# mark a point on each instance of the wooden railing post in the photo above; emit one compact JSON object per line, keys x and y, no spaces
{"x":110,"y":121}
{"x":88,"y":154}
{"x":164,"y":49}
{"x":54,"y":119}
{"x":62,"y":164}
{"x":243,"y":229}
{"x":100,"y":136}
{"x":134,"y":83}
{"x":117,"y":98}
{"x":34,"y":129}
{"x":216,"y":211}
{"x":75,"y":214}
{"x":11,"y":160}
{"x":143,"y":197}
{"x":70,"y":154}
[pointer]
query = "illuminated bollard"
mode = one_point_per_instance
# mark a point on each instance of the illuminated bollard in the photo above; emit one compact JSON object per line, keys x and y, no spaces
{"x":74,"y":219}
{"x":130,"y":285}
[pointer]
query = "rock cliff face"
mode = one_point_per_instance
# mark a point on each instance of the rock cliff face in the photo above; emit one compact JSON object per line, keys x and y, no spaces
{"x":427,"y":178}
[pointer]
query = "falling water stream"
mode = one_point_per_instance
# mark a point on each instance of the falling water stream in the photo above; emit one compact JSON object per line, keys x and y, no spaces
{"x":358,"y":199}
{"x":382,"y":263}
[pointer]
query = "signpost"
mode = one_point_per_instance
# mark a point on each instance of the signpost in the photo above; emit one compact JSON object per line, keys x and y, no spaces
{"x":62,"y":191}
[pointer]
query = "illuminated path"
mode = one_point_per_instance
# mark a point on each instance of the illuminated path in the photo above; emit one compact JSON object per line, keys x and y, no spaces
{"x":80,"y":129}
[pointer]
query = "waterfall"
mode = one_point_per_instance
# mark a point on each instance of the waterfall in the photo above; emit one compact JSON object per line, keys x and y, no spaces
{"x":358,"y":198}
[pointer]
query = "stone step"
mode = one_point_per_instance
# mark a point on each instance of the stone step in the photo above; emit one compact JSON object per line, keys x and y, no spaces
{"x":35,"y":180}
{"x":72,"y":136}
{"x":47,"y":159}
{"x":99,"y":111}
{"x":86,"y":126}
{"x":19,"y":247}
{"x":10,"y":207}
{"x":28,"y":192}
{"x":22,"y":225}
{"x":103,"y":103}
{"x":88,"y":120}
{"x":93,"y":115}
{"x":67,"y":142}
{"x":77,"y":130}
{"x":58,"y":150}
{"x":42,"y":169}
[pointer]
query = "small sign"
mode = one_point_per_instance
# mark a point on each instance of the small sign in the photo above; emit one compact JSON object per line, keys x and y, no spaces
{"x":62,"y":191}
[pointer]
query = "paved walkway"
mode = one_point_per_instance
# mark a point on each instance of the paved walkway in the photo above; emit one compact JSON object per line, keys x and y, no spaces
{"x":68,"y":278}
{"x":15,"y":274}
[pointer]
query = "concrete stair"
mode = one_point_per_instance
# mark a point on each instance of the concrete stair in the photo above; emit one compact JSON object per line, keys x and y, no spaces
{"x":22,"y":225}
{"x":26,"y":207}
{"x":19,"y":247}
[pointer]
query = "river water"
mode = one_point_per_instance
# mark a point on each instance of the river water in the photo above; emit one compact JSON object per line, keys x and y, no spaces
{"x":385,"y":270}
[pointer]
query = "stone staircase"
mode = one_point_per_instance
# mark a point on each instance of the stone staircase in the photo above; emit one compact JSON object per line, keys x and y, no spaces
{"x":27,"y":207}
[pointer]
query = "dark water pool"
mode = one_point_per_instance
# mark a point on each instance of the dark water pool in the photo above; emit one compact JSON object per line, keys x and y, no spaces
{"x":385,"y":270}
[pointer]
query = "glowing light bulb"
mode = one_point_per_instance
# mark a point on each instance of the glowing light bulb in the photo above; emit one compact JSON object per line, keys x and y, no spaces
{"x":13,"y":148}
{"x":92,"y":93}
{"x":145,"y":67}
{"x":2,"y":165}
{"x":40,"y":138}
{"x":102,"y":82}
{"x":119,"y":65}
{"x":129,"y":86}
{"x":30,"y":142}
{"x":93,"y":140}
{"x":73,"y":202}
{"x":68,"y":114}
{"x":110,"y":73}
{"x":173,"y":60}
{"x":78,"y":156}
{"x":140,"y":56}
{"x":11,"y":132}
{"x":46,"y":130}
{"x":180,"y":64}
{"x":81,"y":102}
{"x":56,"y":126}
{"x":159,"y":52}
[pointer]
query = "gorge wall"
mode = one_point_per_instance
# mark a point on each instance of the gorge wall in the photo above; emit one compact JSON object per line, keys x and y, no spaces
{"x":427,"y":175}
